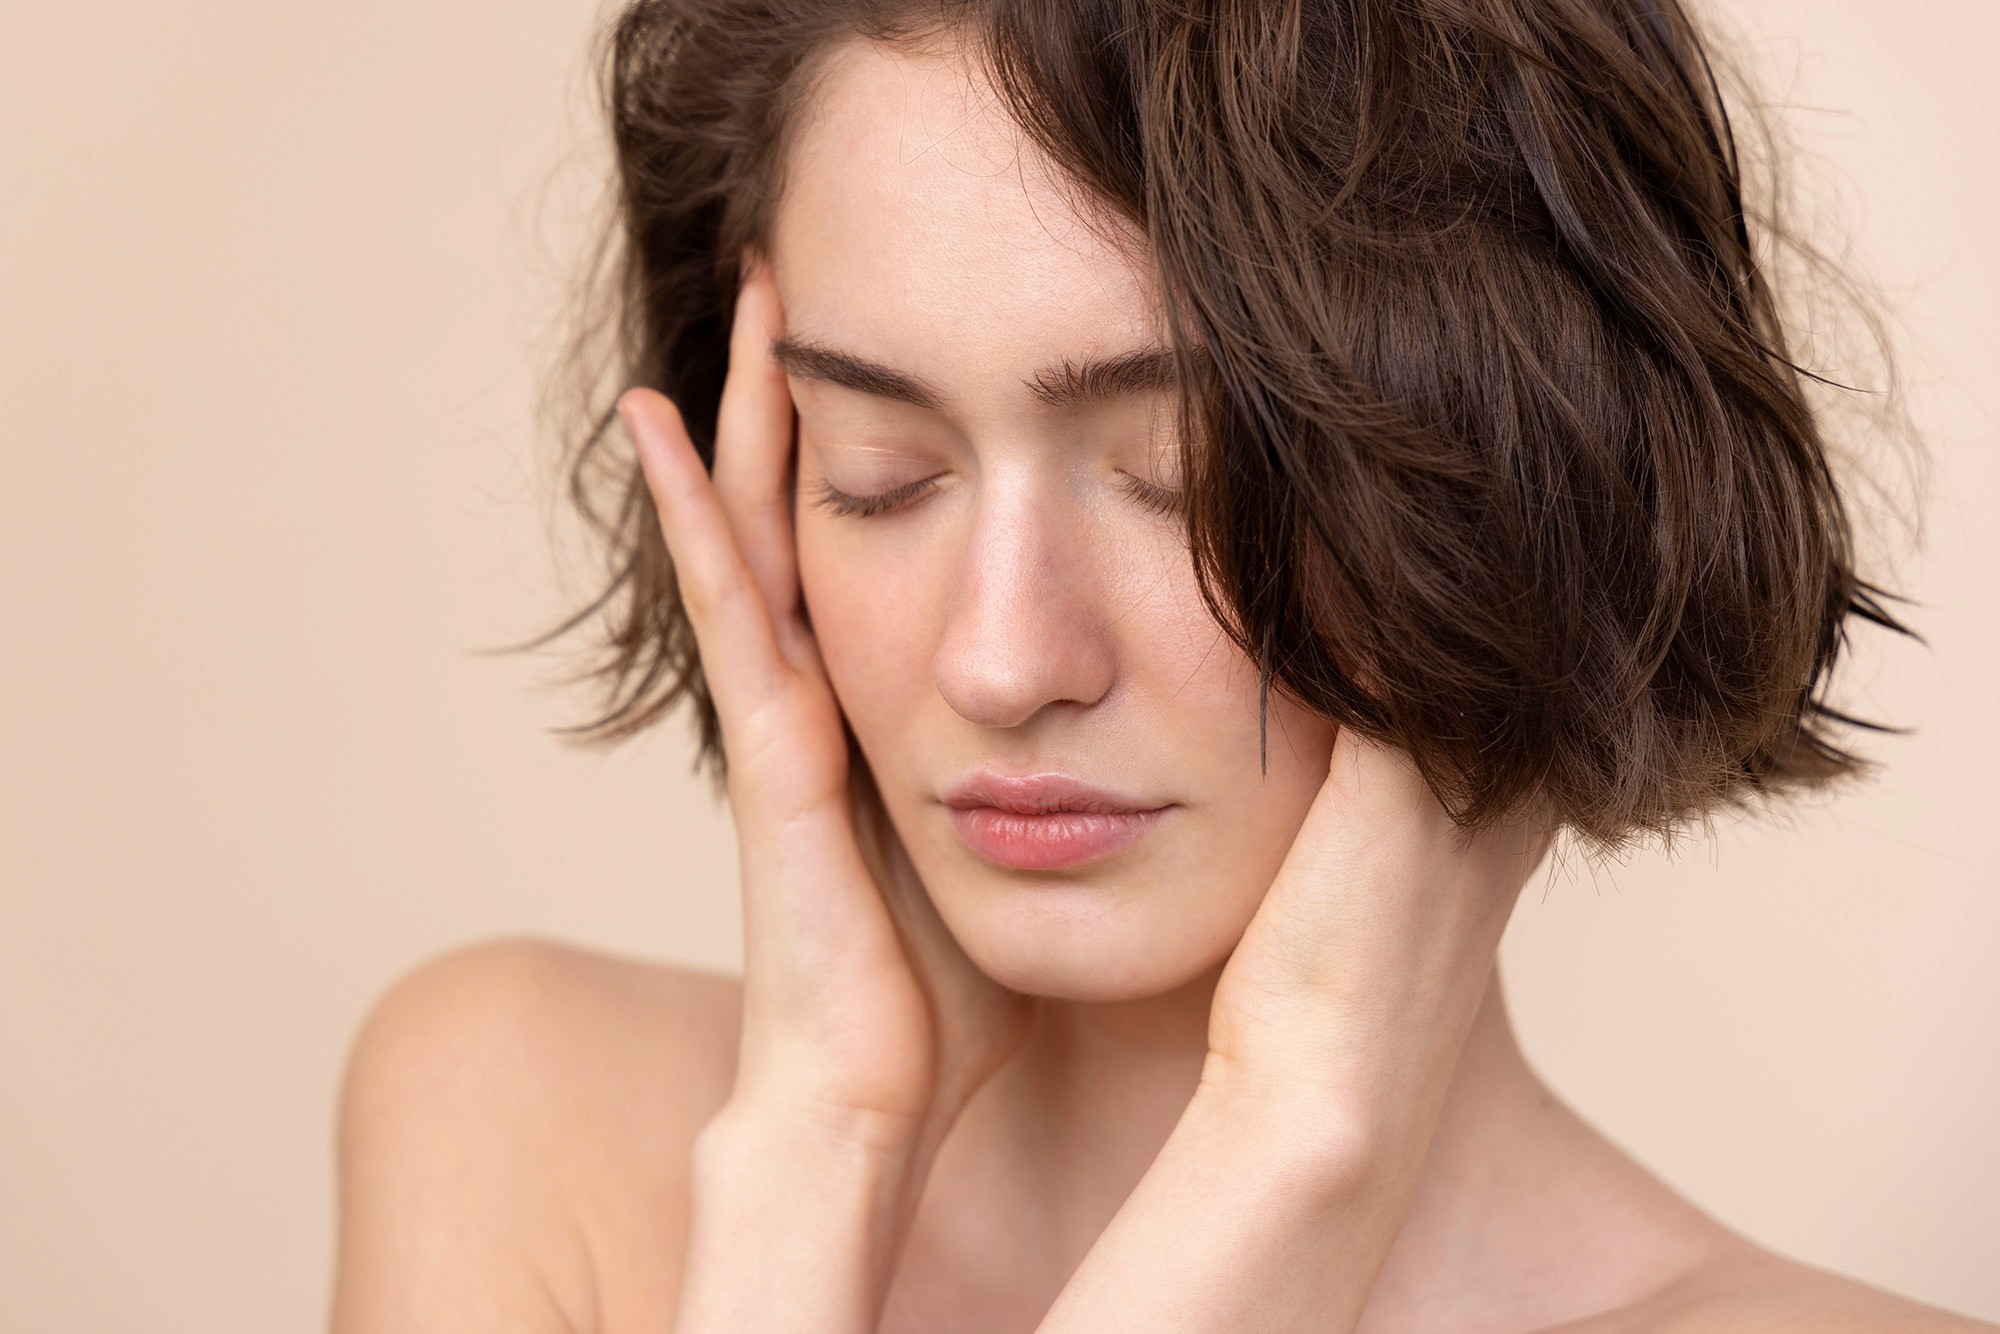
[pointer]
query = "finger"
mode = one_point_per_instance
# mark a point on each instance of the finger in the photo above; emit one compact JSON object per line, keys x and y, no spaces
{"x":1373,"y":791}
{"x":1375,"y":847}
{"x":753,"y":446}
{"x":739,"y":653}
{"x":1376,"y":801}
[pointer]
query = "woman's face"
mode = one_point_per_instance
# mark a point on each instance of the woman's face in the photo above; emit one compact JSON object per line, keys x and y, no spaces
{"x":1026,"y":610}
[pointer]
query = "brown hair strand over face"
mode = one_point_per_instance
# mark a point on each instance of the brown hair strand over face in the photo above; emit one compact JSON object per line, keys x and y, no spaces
{"x":1493,"y":445}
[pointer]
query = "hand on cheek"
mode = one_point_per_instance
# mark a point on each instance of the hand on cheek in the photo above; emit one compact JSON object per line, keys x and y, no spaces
{"x":1352,"y":990}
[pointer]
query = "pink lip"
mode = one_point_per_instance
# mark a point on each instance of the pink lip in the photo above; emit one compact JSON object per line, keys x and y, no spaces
{"x":1040,"y":822}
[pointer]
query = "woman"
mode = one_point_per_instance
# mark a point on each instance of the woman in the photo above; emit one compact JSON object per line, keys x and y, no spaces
{"x":1167,"y":511}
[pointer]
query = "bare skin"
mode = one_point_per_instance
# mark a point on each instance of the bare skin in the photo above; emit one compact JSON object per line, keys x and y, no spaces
{"x":1250,"y":1072}
{"x":518,"y":1121}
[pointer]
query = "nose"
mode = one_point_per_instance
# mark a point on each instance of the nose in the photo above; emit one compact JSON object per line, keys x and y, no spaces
{"x":1027,"y":625}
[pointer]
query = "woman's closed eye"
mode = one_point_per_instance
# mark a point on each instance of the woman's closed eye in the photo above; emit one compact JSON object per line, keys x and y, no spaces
{"x":830,"y":498}
{"x":826,"y":496}
{"x":1158,"y":499}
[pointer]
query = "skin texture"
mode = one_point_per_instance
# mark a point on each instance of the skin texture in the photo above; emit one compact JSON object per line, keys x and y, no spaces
{"x":1254,"y":1072}
{"x":1026,"y":612}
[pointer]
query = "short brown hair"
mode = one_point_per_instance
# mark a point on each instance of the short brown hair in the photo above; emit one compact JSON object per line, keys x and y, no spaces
{"x":1493,"y":445}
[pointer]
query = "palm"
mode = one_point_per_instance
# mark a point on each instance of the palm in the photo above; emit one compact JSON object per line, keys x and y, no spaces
{"x":1382,"y":907}
{"x":855,"y":994}
{"x":971,"y":1024}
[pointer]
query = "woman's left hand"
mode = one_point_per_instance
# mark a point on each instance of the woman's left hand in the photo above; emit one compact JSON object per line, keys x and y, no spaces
{"x":1334,"y":1033}
{"x":1356,"y":982}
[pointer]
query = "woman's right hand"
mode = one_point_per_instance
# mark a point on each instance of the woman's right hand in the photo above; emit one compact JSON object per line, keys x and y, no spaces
{"x":863,"y":1020}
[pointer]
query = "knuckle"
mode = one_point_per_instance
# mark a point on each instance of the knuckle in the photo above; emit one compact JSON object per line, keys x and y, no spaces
{"x":712,"y":593}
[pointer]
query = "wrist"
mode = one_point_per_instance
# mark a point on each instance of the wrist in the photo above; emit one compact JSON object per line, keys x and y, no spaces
{"x":1263,"y":1210}
{"x":823,"y":1198}
{"x":846,"y":1144}
{"x":1332,"y":1144}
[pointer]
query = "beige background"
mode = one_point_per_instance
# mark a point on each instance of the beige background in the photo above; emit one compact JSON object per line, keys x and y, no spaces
{"x":274,"y":284}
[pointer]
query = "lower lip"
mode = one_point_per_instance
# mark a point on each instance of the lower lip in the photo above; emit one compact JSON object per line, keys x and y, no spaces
{"x":1048,"y":842}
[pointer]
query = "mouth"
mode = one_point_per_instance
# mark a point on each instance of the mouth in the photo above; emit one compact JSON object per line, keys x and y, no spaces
{"x":1044,"y":822}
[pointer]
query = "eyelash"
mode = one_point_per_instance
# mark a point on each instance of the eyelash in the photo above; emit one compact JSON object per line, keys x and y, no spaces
{"x":1157,"y":499}
{"x":839,"y":502}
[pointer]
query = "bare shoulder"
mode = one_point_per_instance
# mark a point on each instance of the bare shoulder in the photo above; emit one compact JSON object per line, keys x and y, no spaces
{"x":515,"y":1124}
{"x":1743,"y":1288}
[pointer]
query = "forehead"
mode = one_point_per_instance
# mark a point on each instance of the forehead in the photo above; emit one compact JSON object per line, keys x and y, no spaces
{"x":920,"y":226}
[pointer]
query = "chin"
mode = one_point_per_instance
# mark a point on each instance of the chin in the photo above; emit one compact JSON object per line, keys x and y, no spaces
{"x":1082,"y":942}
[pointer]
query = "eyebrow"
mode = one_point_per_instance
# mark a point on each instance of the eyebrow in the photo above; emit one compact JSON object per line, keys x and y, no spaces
{"x":1065,"y":385}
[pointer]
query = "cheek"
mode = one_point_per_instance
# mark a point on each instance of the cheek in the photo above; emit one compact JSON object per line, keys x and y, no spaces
{"x":1204,"y":692}
{"x":869,"y":617}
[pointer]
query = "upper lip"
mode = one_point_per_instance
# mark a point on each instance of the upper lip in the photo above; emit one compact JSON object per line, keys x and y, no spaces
{"x":1041,"y":794}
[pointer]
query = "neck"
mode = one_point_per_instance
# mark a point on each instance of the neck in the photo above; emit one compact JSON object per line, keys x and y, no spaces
{"x":1080,"y":1114}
